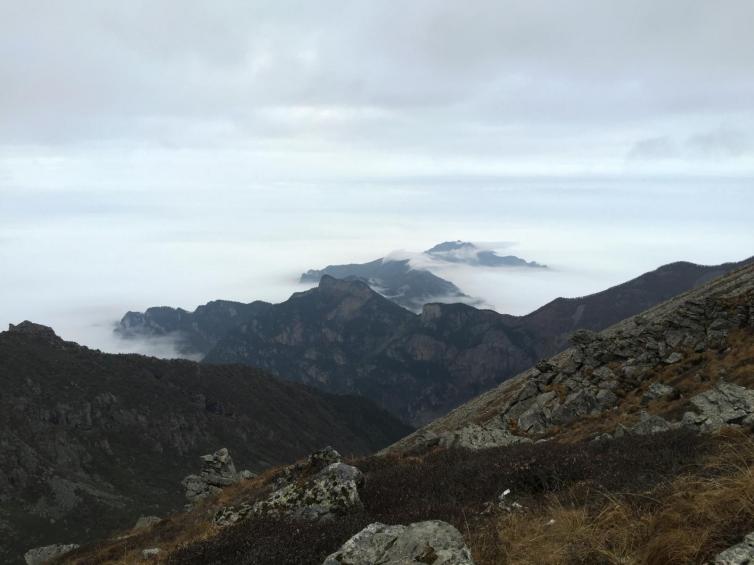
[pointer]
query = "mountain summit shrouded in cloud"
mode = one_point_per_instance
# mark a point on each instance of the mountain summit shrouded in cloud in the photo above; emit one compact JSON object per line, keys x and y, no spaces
{"x":408,"y":279}
{"x":469,"y":254}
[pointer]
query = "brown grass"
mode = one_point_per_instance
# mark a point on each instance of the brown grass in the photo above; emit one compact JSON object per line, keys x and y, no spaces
{"x":688,"y":520}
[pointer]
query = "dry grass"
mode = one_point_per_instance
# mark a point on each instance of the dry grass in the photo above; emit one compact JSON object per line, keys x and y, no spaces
{"x":687,"y":520}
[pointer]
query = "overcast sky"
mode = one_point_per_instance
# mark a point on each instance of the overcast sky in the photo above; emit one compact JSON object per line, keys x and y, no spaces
{"x":178,"y":151}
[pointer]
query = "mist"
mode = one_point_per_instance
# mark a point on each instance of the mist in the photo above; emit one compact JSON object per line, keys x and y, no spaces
{"x":173,"y":153}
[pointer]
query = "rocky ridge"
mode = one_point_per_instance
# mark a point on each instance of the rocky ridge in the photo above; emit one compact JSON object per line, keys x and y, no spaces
{"x":600,"y":370}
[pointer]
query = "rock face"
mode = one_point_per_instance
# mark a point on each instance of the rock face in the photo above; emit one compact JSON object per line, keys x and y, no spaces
{"x":600,"y":368}
{"x":91,"y":441}
{"x":475,"y":436}
{"x":41,"y":555}
{"x":317,"y":489}
{"x":218,"y":471}
{"x":740,"y":554}
{"x":432,"y":542}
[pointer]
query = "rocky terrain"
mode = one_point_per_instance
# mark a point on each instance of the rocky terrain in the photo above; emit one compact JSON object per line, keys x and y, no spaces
{"x":90,"y":441}
{"x":633,"y":445}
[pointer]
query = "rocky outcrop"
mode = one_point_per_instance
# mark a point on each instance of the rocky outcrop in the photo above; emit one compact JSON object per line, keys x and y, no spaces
{"x":724,"y":404}
{"x":475,"y":436}
{"x":318,"y":489}
{"x":42,"y":555}
{"x":218,"y":471}
{"x":433,"y":542}
{"x":739,"y":554}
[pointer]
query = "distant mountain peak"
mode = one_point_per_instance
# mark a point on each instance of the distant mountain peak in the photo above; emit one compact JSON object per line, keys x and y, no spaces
{"x":468,"y":253}
{"x":31,"y":329}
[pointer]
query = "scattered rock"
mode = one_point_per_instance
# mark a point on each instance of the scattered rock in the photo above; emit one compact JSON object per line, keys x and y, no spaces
{"x":146,"y":521}
{"x":246,"y":475}
{"x":151,"y":553}
{"x":432,"y":542}
{"x":650,"y":424}
{"x":674,"y":357}
{"x":41,"y":555}
{"x":739,"y":554}
{"x":657,"y":391}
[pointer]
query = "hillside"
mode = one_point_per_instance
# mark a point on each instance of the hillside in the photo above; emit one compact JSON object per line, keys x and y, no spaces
{"x":546,"y":469}
{"x":90,"y":441}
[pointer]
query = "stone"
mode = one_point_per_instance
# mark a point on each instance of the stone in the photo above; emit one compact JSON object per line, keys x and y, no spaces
{"x":432,"y":541}
{"x":475,"y":436}
{"x":583,"y":337}
{"x":40,"y":555}
{"x":674,"y":357}
{"x":739,"y":554}
{"x":725,"y":403}
{"x":650,"y":424}
{"x":603,"y":373}
{"x":218,"y":471}
{"x":146,"y":522}
{"x":657,"y":391}
{"x":151,"y":553}
{"x":331,"y":492}
{"x":576,"y":405}
{"x":246,"y":475}
{"x":606,"y":398}
{"x":534,"y":419}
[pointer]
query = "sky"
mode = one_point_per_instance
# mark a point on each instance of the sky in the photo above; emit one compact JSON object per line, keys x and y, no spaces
{"x":173,"y":152}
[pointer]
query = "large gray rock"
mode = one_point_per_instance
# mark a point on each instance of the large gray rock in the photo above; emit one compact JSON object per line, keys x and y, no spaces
{"x":41,"y":555}
{"x":725,"y":403}
{"x":651,"y":424}
{"x":432,"y":542}
{"x":218,"y":471}
{"x":739,"y":554}
{"x":331,"y":492}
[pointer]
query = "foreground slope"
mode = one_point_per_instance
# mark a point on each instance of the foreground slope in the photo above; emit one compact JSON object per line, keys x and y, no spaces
{"x":89,"y":440}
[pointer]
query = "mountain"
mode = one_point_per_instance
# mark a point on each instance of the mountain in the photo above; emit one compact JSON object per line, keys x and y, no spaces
{"x":631,"y":446}
{"x":469,"y":254}
{"x":89,"y":441}
{"x":395,"y":280}
{"x":343,"y":337}
{"x":191,"y":333}
{"x":687,"y":363}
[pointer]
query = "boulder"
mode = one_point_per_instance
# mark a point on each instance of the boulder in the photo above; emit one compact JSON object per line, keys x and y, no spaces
{"x":475,"y":436}
{"x":47,"y":553}
{"x":150,"y":553}
{"x":331,"y":492}
{"x":739,"y":554}
{"x":657,"y":391}
{"x":146,"y":521}
{"x":650,"y":424}
{"x":218,"y":471}
{"x":433,"y":542}
{"x":725,"y":403}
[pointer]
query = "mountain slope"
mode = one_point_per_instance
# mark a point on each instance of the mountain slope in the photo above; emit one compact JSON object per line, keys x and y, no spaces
{"x":343,"y":337}
{"x":191,"y":333}
{"x":666,"y":368}
{"x":89,"y":440}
